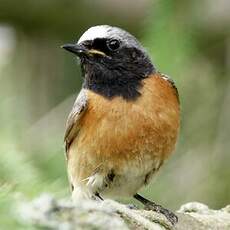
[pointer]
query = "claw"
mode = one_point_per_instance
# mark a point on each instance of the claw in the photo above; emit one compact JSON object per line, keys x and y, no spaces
{"x":172,"y":218}
{"x":149,"y":205}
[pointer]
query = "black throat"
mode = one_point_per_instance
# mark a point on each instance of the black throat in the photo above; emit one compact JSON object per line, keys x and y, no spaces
{"x":118,"y":76}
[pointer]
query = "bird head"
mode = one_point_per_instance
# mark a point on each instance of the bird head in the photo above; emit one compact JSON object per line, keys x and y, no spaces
{"x":113,"y":62}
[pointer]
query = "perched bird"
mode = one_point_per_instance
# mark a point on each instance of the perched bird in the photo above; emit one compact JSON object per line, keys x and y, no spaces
{"x":124,"y":122}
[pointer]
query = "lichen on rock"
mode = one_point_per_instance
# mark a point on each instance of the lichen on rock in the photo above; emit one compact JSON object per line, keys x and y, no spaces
{"x":46,"y":211}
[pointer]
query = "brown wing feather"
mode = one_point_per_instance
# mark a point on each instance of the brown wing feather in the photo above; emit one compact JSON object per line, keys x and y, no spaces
{"x":170,"y":80}
{"x":72,"y":125}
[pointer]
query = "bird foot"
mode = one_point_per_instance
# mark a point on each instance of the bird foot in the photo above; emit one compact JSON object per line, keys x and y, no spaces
{"x":172,"y":218}
{"x":97,"y":197}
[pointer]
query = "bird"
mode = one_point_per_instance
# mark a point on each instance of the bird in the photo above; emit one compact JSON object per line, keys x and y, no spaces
{"x":124,"y":122}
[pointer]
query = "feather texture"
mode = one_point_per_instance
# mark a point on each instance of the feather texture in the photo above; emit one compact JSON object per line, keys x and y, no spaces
{"x":131,"y":138}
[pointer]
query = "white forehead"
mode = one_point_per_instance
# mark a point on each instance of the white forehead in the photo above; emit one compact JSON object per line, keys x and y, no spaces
{"x":95,"y":32}
{"x":105,"y":31}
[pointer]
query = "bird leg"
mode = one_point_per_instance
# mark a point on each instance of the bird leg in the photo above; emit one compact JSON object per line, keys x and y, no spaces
{"x":150,"y":205}
{"x":98,"y":196}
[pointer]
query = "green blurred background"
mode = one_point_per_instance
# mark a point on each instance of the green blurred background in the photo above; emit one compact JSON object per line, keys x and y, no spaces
{"x":188,"y":40}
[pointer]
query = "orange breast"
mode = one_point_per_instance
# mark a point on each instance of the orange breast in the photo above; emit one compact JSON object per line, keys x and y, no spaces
{"x":116,"y":131}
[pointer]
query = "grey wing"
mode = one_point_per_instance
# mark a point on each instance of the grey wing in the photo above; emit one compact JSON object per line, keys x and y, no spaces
{"x":72,"y":125}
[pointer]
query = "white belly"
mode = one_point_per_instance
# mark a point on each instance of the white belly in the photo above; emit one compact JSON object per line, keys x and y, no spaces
{"x":124,"y":184}
{"x":132,"y":178}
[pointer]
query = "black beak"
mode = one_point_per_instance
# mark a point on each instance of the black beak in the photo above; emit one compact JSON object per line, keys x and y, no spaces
{"x":75,"y":48}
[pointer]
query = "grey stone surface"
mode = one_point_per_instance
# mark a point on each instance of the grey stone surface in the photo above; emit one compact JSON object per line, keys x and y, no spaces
{"x":46,"y":211}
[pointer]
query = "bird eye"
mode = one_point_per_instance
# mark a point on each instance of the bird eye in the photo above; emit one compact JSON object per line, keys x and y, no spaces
{"x":113,"y":44}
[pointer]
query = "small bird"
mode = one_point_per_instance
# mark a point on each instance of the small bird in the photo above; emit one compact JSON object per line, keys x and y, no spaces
{"x":125,"y":121}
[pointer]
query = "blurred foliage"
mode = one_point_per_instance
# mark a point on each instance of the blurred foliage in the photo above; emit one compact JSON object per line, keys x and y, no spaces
{"x":187,"y":40}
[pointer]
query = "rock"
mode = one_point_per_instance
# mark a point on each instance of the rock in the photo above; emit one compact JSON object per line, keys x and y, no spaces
{"x":46,"y":211}
{"x":197,"y":216}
